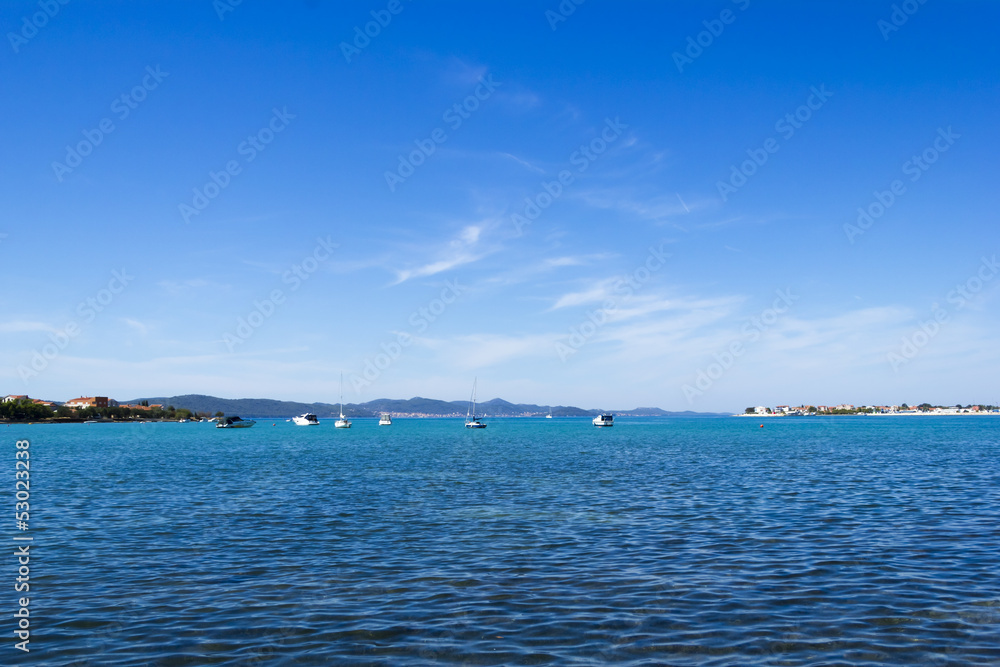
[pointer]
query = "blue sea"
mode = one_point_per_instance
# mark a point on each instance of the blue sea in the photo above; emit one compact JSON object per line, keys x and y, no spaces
{"x":668,"y":541}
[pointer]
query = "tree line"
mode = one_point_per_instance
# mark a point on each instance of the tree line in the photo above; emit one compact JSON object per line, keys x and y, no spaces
{"x":28,"y":410}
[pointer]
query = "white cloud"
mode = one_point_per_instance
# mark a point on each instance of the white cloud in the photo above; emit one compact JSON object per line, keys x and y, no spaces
{"x":594,"y":294}
{"x":136,"y":325}
{"x":459,"y":251}
{"x":524,"y":163}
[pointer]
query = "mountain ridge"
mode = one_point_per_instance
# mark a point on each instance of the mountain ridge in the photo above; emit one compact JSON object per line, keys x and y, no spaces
{"x":416,"y":406}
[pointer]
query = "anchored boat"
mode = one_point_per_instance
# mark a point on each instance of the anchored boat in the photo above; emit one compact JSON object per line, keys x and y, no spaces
{"x":604,"y":420}
{"x":235,"y":422}
{"x":470,"y":418}
{"x":342,"y":422}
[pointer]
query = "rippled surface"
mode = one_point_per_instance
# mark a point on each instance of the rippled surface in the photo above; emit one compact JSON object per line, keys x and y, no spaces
{"x":848,"y":541}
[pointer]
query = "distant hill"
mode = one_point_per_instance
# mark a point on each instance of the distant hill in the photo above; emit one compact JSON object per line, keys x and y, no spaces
{"x":250,"y":407}
{"x":417,"y":406}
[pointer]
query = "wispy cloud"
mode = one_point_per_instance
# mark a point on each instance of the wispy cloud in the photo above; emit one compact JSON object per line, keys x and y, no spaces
{"x":461,"y":250}
{"x":524,"y":163}
{"x":136,"y":325}
{"x":654,"y":208}
{"x":595,"y":293}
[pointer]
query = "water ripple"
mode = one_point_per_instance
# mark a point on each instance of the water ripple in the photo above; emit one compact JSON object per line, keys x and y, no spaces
{"x":658,"y":542}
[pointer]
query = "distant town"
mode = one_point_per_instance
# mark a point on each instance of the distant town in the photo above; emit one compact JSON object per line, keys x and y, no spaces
{"x":848,"y":409}
{"x":15,"y":407}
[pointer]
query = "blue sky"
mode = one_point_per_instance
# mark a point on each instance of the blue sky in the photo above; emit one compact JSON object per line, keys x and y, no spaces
{"x":231,"y":167}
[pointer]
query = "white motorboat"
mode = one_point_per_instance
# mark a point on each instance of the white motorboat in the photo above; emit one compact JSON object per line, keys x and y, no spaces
{"x":235,"y":422}
{"x":306,"y":420}
{"x":342,"y":422}
{"x":604,"y":420}
{"x":470,"y":417}
{"x":385,"y":419}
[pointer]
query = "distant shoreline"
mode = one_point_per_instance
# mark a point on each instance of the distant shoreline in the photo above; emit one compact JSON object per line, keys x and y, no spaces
{"x":880,"y":414}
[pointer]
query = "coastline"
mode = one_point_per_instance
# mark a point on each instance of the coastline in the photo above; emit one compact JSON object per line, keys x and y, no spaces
{"x":879,"y":414}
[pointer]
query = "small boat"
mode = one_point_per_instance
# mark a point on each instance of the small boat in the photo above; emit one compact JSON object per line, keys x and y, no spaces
{"x":235,"y":422}
{"x":183,"y":421}
{"x":306,"y":420}
{"x":342,"y":422}
{"x":470,"y":417}
{"x":92,"y":421}
{"x":604,"y":420}
{"x":549,"y":416}
{"x":385,"y":419}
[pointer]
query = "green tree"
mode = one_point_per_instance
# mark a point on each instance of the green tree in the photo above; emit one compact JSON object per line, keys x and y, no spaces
{"x":24,"y":410}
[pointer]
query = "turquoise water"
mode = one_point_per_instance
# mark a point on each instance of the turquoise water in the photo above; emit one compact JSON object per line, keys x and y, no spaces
{"x":811,"y":541}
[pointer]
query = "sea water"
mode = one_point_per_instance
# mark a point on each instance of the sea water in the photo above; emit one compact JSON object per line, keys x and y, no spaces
{"x":671,"y":541}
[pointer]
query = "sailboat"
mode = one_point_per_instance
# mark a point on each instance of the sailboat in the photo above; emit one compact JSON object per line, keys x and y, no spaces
{"x":549,"y":416}
{"x":342,"y":422}
{"x":470,"y":416}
